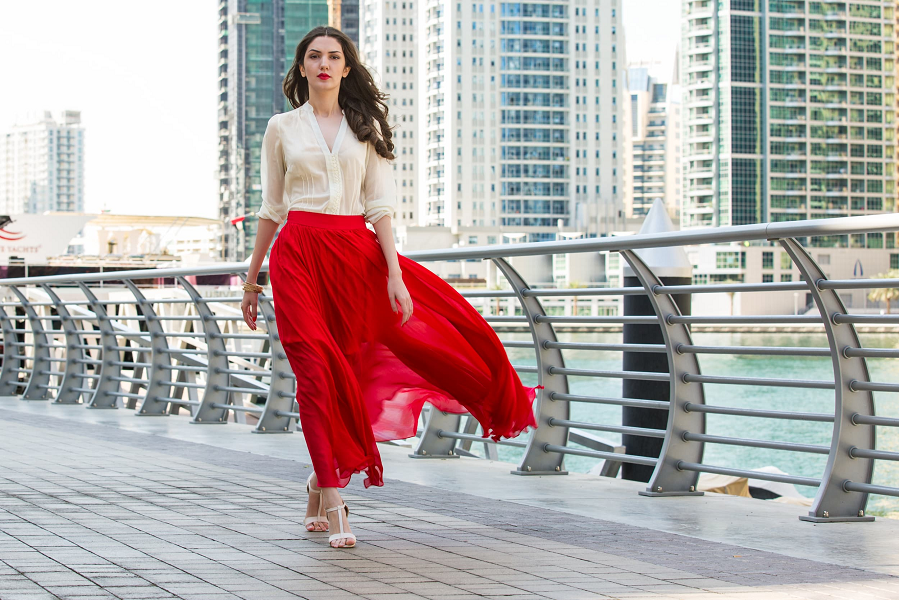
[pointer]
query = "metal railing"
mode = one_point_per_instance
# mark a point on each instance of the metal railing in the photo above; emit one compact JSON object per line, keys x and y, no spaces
{"x":183,"y":347}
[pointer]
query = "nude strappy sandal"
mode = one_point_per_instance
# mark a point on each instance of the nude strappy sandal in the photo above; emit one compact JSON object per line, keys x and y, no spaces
{"x":320,"y":517}
{"x":341,"y":536}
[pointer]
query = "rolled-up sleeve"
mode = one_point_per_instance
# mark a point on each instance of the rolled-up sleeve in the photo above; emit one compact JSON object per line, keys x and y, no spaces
{"x":273,"y":169}
{"x":378,"y":188}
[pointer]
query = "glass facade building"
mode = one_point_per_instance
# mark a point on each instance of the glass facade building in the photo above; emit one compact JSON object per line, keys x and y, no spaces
{"x":789,"y":111}
{"x":522,"y":125}
{"x":257,"y":42}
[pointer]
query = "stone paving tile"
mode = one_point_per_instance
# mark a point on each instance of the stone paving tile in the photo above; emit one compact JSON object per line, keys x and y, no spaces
{"x":95,"y":512}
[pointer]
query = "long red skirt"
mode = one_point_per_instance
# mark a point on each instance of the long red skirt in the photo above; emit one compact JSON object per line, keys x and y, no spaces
{"x":363,"y":378}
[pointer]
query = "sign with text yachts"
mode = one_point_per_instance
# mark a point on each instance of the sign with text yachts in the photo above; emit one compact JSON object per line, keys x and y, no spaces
{"x":35,"y":238}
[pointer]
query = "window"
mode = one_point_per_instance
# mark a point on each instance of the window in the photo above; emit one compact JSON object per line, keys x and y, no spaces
{"x":472,"y":239}
{"x":767,"y":278}
{"x":786,"y":277}
{"x":894,"y":261}
{"x":786,"y":263}
{"x":767,"y":260}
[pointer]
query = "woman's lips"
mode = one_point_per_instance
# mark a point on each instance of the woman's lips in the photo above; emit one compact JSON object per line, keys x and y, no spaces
{"x":324,"y":76}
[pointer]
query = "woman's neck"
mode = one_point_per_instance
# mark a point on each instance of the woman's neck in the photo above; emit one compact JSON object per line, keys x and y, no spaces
{"x":324,"y":106}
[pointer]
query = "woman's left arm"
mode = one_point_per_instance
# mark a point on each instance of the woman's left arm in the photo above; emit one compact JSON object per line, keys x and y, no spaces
{"x":396,"y":289}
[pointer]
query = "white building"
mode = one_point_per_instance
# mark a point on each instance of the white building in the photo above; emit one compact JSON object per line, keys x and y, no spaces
{"x":42,"y":165}
{"x":654,"y":144}
{"x":389,"y":46}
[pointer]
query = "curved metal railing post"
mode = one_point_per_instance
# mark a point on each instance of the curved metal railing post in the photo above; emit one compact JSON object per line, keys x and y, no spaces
{"x":214,"y":396}
{"x":38,"y":387}
{"x":159,"y":379}
{"x":12,"y":361}
{"x":109,"y":369}
{"x":833,"y":503}
{"x":74,"y":370}
{"x":667,"y":479}
{"x":432,"y":444}
{"x":275,"y":416}
{"x":538,"y":460}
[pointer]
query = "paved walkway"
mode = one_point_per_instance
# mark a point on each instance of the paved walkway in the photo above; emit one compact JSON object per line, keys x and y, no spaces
{"x":92,"y":510}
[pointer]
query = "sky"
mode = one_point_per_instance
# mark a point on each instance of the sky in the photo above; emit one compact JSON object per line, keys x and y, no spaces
{"x":143,"y":76}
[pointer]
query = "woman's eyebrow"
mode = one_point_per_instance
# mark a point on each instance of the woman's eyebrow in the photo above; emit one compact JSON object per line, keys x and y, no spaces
{"x":319,"y":51}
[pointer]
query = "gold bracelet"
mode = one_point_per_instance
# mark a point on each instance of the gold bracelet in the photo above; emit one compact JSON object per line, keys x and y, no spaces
{"x":252,"y":287}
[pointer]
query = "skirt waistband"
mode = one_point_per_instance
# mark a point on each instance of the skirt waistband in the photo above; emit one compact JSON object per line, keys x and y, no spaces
{"x":312,"y":219}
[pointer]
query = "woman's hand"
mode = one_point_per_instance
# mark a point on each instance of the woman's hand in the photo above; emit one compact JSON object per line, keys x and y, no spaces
{"x":248,"y":308}
{"x":398,"y":294}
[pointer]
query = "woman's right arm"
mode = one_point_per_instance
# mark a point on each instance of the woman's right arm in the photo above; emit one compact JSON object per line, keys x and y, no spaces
{"x":271,"y":215}
{"x":264,"y":236}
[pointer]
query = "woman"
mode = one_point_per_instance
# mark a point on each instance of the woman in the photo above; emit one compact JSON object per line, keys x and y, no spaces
{"x":365,"y":362}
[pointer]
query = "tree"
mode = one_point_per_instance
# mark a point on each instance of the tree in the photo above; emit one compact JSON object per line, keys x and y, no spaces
{"x":885,"y":294}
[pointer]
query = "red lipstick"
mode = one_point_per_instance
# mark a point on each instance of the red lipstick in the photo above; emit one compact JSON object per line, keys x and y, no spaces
{"x":324,"y":76}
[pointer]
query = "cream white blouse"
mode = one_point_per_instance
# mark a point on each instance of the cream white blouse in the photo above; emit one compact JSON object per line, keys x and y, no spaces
{"x":299,"y":172}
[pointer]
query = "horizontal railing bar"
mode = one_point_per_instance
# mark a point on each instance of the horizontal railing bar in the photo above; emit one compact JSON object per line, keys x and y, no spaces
{"x":867,"y":488}
{"x":857,"y":284}
{"x":176,"y":334}
{"x":621,"y":291}
{"x":498,"y":319}
{"x":240,"y":336}
{"x":287,"y":394}
{"x":130,"y":365}
{"x":20,"y":370}
{"x":240,"y":390}
{"x":862,"y":319}
{"x":185,"y":384}
{"x":176,"y":401}
{"x":753,"y":350}
{"x":177,"y":318}
{"x":870,"y":353}
{"x":745,"y":320}
{"x":613,"y":456}
{"x":123,"y":394}
{"x":181,"y":351}
{"x":20,"y":344}
{"x":788,"y":383}
{"x":83,"y":390}
{"x":753,"y":412}
{"x":123,"y":318}
{"x":873,"y":386}
{"x":441,"y":433}
{"x":53,"y":359}
{"x":858,"y":419}
{"x":47,"y":372}
{"x":638,"y":402}
{"x":85,"y":376}
{"x":488,"y":294}
{"x":282,"y":413}
{"x":614,"y":320}
{"x":128,"y":379}
{"x":286,"y":375}
{"x":243,"y":354}
{"x":525,"y":369}
{"x":250,"y":409}
{"x":87,"y":331}
{"x":721,"y":288}
{"x":52,"y":346}
{"x":779,"y":477}
{"x":739,"y":233}
{"x":516,"y":344}
{"x":641,"y":375}
{"x":46,"y":386}
{"x":878,"y":454}
{"x":170,"y":300}
{"x":255,"y":373}
{"x":640,"y":431}
{"x":199,"y":369}
{"x":86,"y":347}
{"x":769,"y":445}
{"x":130,"y":348}
{"x":222,"y":299}
{"x":88,"y":361}
{"x":605,"y":347}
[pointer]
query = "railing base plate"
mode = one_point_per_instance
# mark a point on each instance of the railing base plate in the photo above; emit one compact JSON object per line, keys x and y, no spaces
{"x":442,"y":456}
{"x":663,"y":494}
{"x":102,"y":407}
{"x":140,"y":414}
{"x":812,"y":519}
{"x":539,"y":472}
{"x":270,"y":431}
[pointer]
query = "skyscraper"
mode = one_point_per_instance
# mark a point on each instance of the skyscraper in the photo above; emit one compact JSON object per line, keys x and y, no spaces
{"x":42,"y":165}
{"x":523,"y":115}
{"x":789,"y":111}
{"x":655,"y":145}
{"x":257,"y":42}
{"x":389,"y":45}
{"x":344,"y":15}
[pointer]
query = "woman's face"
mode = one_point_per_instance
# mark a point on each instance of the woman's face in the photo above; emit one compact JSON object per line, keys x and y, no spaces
{"x":324,"y":64}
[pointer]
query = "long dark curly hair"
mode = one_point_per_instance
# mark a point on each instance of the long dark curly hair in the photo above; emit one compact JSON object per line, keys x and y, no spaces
{"x":361,"y":100}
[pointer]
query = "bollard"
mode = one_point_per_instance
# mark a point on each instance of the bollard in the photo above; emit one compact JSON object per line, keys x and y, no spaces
{"x":673,"y":267}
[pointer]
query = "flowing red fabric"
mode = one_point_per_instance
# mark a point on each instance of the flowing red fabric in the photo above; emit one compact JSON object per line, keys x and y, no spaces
{"x":361,"y":377}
